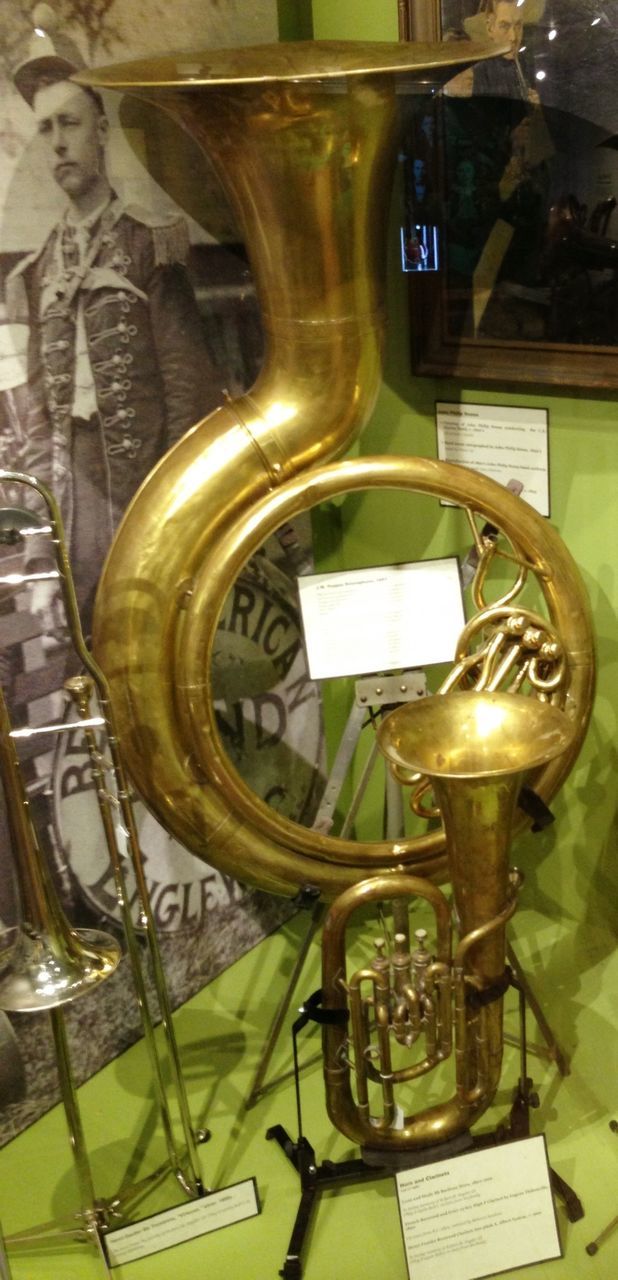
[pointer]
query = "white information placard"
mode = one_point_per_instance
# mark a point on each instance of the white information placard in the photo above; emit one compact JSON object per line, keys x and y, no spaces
{"x":359,"y":621}
{"x":502,"y":442}
{"x":479,"y":1214}
{"x":184,"y":1222}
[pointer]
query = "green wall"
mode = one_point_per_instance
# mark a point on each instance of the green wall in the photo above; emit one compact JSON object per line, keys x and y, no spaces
{"x":295,"y":19}
{"x":578,"y":880}
{"x":355,"y":19}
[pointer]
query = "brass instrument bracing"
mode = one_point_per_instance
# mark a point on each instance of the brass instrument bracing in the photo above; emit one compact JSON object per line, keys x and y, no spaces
{"x":303,"y":138}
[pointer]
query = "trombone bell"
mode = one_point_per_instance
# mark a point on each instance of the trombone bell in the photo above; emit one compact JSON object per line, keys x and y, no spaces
{"x":45,"y":970}
{"x":46,"y":963}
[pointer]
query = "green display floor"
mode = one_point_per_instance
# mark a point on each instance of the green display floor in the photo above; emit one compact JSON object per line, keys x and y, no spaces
{"x":356,"y":1235}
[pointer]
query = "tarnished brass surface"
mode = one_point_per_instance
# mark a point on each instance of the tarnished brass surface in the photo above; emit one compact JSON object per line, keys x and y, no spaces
{"x":286,"y":61}
{"x":468,"y":735}
{"x":305,"y":855}
{"x":476,"y":748}
{"x":306,"y":164}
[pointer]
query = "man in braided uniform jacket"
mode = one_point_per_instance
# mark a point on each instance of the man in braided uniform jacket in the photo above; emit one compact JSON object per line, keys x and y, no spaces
{"x":118,"y":367}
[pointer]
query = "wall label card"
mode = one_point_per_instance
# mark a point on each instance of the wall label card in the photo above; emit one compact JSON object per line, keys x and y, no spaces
{"x":479,"y":1214}
{"x":359,"y":621}
{"x":502,"y":442}
{"x":174,"y":1226}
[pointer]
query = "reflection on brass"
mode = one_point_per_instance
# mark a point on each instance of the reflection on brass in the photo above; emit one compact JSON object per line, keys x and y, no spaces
{"x":303,"y":138}
{"x":49,"y":963}
{"x":408,"y":1008}
{"x":57,"y":962}
{"x":288,"y":63}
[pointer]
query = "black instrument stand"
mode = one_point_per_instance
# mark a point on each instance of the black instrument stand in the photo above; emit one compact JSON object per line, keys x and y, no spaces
{"x":612,"y":1226}
{"x":316,"y":1178}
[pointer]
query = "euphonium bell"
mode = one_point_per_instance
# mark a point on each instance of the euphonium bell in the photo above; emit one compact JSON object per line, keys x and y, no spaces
{"x":476,"y":748}
{"x":49,"y":962}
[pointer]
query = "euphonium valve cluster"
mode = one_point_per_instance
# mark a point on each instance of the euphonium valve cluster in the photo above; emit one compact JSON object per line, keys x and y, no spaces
{"x":476,"y":748}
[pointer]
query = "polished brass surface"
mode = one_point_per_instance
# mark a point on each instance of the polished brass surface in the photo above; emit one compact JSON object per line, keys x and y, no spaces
{"x":49,"y":963}
{"x":118,"y":821}
{"x":476,"y":747}
{"x":305,"y":161}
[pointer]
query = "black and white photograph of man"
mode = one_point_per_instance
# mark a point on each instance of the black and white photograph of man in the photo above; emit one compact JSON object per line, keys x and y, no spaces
{"x":127,"y":311}
{"x":118,"y":367}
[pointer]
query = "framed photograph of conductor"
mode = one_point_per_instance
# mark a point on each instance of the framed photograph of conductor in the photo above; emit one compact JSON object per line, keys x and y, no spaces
{"x":522,"y":186}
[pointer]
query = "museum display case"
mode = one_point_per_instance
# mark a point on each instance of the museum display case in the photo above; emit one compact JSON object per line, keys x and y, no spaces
{"x":259,"y":767}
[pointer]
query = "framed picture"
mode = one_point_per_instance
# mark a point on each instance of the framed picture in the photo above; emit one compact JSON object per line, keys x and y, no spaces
{"x":510,"y":233}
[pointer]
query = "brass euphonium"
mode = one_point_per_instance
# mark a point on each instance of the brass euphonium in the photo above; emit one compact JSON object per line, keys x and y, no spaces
{"x":303,"y":138}
{"x":45,"y":962}
{"x":476,"y":749}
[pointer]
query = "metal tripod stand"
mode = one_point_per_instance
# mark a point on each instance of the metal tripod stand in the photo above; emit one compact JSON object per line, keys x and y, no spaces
{"x":607,"y":1231}
{"x":315,"y":1178}
{"x":52,"y":938}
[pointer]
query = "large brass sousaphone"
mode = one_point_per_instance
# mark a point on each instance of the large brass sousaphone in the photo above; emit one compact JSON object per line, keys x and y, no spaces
{"x":303,"y":139}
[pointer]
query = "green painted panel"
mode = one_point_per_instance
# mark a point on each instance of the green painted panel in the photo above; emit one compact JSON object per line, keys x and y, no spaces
{"x":352,"y":20}
{"x":579,"y":879}
{"x":295,"y":19}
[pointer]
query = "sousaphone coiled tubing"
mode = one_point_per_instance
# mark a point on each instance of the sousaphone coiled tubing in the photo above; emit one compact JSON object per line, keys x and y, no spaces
{"x":303,"y":138}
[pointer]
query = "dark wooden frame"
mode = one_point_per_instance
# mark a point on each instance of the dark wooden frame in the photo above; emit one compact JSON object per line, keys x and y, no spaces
{"x":434,"y":353}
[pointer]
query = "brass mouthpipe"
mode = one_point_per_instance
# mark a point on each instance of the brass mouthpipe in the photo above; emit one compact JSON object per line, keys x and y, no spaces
{"x":479,"y":1038}
{"x":483,"y":930}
